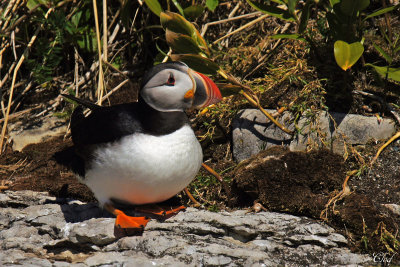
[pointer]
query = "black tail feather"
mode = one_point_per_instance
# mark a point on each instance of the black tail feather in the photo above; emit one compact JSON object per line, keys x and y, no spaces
{"x":82,"y":102}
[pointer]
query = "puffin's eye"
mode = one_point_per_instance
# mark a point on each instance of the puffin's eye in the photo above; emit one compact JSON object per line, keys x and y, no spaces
{"x":171,"y":80}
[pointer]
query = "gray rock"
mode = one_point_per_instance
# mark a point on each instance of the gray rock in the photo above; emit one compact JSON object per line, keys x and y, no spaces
{"x":25,"y":132}
{"x":54,"y":232}
{"x":394,"y":208}
{"x":97,"y":231}
{"x":253,"y":132}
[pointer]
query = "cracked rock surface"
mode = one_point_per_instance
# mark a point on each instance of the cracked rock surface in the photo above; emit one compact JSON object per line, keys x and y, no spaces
{"x":252,"y":133}
{"x":39,"y":230}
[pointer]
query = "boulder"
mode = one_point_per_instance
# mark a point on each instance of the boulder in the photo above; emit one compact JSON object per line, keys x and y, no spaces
{"x":253,"y":132}
{"x":41,"y":230}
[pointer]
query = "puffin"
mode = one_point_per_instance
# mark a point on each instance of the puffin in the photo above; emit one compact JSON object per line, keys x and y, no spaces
{"x":144,"y":152}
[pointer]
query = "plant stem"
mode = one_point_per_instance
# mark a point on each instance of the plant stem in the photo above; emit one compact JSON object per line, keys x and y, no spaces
{"x":253,"y":99}
{"x":100,"y":87}
{"x":21,"y":60}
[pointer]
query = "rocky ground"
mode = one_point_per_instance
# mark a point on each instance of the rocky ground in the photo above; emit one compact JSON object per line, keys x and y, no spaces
{"x":57,"y":222}
{"x":41,"y":230}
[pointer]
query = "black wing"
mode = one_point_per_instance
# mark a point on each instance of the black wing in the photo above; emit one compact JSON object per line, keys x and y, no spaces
{"x":109,"y":124}
{"x":104,"y":124}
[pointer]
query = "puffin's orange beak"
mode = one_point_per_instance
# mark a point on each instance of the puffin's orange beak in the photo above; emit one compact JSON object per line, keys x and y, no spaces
{"x":206,"y":91}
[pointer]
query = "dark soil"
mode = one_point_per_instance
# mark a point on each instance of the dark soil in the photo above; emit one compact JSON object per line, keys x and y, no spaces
{"x":41,"y":172}
{"x":303,"y":183}
{"x":305,"y":180}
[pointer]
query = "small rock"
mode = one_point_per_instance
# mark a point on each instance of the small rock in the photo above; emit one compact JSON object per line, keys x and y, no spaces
{"x":216,"y":261}
{"x":253,"y":132}
{"x":394,"y":208}
{"x":338,"y":239}
{"x":298,"y":240}
{"x":267,"y":245}
{"x":98,"y":231}
{"x":28,"y":132}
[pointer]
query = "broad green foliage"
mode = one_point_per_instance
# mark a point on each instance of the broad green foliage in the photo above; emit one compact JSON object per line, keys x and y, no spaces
{"x":352,"y":7}
{"x":345,"y":23}
{"x":272,"y":10}
{"x":186,"y":42}
{"x":33,"y":3}
{"x":386,"y":72}
{"x":388,"y":58}
{"x":198,"y":63}
{"x":178,"y":6}
{"x":175,"y":23}
{"x":181,"y":43}
{"x":212,"y":4}
{"x":294,"y":36}
{"x":154,"y":6}
{"x":191,"y":11}
{"x":66,"y":28}
{"x":346,"y":55}
{"x":382,"y":11}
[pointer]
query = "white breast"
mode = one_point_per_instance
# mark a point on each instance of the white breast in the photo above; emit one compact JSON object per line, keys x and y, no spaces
{"x":142,"y":168}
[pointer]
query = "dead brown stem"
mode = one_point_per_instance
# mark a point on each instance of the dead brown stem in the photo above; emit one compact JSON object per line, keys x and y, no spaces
{"x":196,"y":203}
{"x":21,"y":60}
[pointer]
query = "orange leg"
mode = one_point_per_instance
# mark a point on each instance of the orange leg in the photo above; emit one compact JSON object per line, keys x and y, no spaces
{"x":125,"y":221}
{"x":159,"y":211}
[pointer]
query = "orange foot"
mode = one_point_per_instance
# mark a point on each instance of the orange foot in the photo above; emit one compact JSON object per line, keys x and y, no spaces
{"x":159,"y":211}
{"x":127,"y":222}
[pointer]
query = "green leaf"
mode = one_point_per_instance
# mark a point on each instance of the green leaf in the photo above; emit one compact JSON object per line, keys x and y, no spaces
{"x":388,"y":58}
{"x":272,"y":10}
{"x":288,"y":36}
{"x":154,"y":6}
{"x":76,"y":18}
{"x":352,"y":7}
{"x":196,"y":62}
{"x":305,"y":15}
{"x":346,"y":55}
{"x":87,"y":41}
{"x":70,"y":28}
{"x":160,"y":50}
{"x":334,"y":2}
{"x":193,"y":12}
{"x":178,"y":6}
{"x":176,"y":23}
{"x":397,"y":49}
{"x":182,"y":44}
{"x":212,"y":4}
{"x":33,"y":3}
{"x":279,"y":2}
{"x":391,"y":73}
{"x":292,"y":5}
{"x":382,"y":11}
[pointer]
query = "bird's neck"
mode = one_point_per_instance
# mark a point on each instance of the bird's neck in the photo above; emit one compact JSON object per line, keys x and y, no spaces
{"x":160,"y":122}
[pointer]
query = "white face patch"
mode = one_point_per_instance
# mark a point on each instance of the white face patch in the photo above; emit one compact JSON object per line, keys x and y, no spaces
{"x":166,"y":90}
